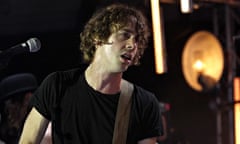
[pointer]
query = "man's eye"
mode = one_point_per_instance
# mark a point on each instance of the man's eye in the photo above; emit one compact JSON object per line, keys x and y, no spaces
{"x":124,"y":35}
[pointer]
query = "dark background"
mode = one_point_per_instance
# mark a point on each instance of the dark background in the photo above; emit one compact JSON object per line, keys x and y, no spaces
{"x":57,"y":24}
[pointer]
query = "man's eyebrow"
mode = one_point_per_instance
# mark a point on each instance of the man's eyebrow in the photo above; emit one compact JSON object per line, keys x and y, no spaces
{"x":128,"y":30}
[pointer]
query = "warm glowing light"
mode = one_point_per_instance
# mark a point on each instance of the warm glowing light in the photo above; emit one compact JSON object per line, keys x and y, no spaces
{"x":202,"y":56}
{"x":237,"y":110}
{"x":186,"y":6}
{"x":160,"y":61}
{"x":198,"y":65}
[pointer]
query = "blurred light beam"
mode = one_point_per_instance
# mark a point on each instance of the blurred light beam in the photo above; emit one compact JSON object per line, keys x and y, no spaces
{"x":158,"y":38}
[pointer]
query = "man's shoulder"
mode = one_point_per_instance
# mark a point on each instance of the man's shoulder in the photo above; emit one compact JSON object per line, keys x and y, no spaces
{"x":74,"y":71}
{"x":69,"y":74}
{"x":142,"y":91}
{"x":144,"y":95}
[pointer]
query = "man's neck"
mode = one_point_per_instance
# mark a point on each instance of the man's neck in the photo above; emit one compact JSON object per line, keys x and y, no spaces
{"x":103,"y":81}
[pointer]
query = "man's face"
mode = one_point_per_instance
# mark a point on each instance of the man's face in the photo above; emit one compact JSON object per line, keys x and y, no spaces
{"x":121,"y":49}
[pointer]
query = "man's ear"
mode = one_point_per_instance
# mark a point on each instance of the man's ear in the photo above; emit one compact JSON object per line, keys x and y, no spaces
{"x":97,"y":42}
{"x":97,"y":46}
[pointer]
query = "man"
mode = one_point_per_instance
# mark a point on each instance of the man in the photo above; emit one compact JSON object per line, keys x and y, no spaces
{"x":15,"y":93}
{"x":82,"y":104}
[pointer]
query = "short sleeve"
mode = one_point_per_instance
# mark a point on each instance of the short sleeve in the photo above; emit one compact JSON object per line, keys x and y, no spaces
{"x":151,"y":123}
{"x":152,"y":118}
{"x":44,"y":97}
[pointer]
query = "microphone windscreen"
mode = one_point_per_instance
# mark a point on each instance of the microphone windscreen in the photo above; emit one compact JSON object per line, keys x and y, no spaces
{"x":34,"y":44}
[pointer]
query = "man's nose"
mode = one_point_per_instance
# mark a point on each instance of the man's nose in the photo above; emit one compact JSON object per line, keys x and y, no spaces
{"x":131,"y":44}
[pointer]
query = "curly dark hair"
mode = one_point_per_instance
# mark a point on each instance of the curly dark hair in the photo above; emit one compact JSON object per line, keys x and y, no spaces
{"x":13,"y":116}
{"x":108,"y":20}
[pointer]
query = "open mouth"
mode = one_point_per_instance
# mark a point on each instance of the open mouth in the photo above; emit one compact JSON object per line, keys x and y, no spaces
{"x":127,"y":57}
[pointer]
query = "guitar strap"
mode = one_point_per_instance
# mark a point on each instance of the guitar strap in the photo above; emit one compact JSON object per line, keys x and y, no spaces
{"x":123,"y":113}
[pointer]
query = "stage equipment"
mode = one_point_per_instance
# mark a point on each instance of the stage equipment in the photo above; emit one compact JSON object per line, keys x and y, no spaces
{"x":158,"y":37}
{"x":32,"y":45}
{"x":236,"y":107}
{"x":186,"y":6}
{"x":202,"y":61}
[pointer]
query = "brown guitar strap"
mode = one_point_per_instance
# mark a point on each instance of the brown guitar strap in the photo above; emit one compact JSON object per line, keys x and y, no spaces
{"x":123,"y":113}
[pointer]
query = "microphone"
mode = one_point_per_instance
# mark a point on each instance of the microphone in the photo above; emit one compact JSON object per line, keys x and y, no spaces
{"x":164,"y":107}
{"x":31,"y":45}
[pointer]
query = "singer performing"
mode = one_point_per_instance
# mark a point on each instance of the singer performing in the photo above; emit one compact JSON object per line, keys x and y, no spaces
{"x":82,"y":103}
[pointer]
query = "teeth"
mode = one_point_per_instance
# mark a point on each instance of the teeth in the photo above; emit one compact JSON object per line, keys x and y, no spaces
{"x":126,"y":57}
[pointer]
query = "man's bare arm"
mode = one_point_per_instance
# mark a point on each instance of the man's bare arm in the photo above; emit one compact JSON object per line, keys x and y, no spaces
{"x":34,"y":128}
{"x":152,"y":140}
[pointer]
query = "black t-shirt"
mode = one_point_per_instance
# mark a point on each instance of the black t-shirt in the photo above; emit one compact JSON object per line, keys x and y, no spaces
{"x":81,"y":115}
